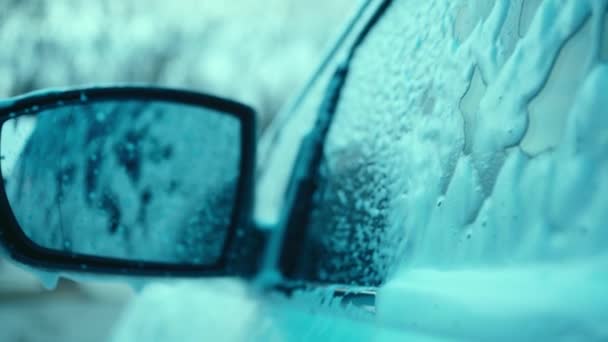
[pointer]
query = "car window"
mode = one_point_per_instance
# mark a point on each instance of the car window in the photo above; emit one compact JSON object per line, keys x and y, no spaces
{"x":449,"y":123}
{"x":280,"y":143}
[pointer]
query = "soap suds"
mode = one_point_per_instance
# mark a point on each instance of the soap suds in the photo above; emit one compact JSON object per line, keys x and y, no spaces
{"x":528,"y":10}
{"x":547,"y":111}
{"x":604,"y":40}
{"x":515,"y":248}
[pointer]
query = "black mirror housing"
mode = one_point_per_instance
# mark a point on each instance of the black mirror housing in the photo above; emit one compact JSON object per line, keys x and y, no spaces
{"x":242,"y":243}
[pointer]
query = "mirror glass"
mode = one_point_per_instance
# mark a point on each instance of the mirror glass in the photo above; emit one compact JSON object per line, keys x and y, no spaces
{"x":143,"y":181}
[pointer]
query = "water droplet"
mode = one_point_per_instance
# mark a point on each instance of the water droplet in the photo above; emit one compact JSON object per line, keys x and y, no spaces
{"x":83,"y":97}
{"x":100,"y":116}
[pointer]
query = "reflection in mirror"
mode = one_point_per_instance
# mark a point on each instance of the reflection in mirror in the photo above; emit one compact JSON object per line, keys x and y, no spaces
{"x":143,"y":181}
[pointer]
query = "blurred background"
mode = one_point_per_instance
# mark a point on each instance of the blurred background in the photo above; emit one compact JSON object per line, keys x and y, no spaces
{"x":257,"y":52}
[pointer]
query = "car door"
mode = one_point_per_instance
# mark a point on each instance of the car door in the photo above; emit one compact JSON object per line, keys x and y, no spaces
{"x":464,"y":168}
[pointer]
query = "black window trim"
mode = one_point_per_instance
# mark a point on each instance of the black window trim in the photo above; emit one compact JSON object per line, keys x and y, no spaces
{"x":306,"y":171}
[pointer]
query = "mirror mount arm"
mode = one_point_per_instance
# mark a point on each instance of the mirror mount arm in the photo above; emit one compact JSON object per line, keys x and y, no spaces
{"x":245,"y":258}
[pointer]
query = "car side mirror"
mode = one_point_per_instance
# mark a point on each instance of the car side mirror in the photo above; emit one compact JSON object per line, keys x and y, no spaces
{"x":134,"y":180}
